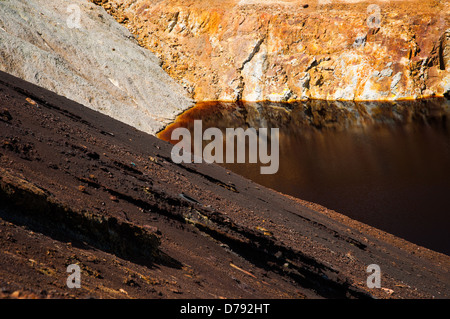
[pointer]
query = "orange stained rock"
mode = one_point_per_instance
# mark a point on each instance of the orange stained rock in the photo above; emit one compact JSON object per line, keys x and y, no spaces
{"x":284,"y":50}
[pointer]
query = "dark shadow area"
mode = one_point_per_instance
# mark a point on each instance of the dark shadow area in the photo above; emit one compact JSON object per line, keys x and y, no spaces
{"x":83,"y":229}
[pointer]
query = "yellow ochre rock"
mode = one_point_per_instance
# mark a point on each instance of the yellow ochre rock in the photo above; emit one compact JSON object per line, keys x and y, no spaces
{"x":285,"y":50}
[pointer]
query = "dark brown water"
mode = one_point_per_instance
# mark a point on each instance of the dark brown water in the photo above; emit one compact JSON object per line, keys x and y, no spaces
{"x":384,"y":164}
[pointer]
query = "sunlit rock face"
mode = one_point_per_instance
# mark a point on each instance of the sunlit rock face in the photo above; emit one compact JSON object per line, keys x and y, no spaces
{"x":291,"y":50}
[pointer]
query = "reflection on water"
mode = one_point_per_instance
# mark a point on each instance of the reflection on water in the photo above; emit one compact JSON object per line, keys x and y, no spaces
{"x":385,"y":164}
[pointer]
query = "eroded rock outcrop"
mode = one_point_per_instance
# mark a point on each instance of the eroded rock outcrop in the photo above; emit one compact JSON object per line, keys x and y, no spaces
{"x":91,"y":59}
{"x":289,"y":50}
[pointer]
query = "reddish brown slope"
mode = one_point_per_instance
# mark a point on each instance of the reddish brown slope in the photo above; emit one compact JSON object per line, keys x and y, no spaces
{"x":79,"y":187}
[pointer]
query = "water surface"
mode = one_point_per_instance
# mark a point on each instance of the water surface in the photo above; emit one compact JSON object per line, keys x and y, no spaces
{"x":384,"y":164}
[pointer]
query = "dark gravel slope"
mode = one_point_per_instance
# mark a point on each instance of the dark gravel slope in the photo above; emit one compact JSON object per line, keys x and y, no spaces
{"x":79,"y":187}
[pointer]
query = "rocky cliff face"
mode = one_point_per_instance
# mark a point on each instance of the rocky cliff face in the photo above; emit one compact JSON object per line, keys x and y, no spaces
{"x":77,"y":50}
{"x":288,"y":50}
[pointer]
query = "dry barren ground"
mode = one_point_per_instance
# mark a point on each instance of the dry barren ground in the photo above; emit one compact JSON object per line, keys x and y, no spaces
{"x":77,"y":187}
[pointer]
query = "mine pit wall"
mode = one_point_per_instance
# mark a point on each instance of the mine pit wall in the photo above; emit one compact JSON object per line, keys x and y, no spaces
{"x":292,"y":50}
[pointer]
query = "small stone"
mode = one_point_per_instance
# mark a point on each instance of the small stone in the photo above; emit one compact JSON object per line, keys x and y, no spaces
{"x":388,"y":291}
{"x":15,"y":294}
{"x":123,"y":291}
{"x":32,"y":102}
{"x":5,"y":115}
